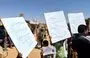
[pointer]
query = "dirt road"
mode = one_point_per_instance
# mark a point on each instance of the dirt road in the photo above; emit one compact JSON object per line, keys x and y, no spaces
{"x":12,"y":53}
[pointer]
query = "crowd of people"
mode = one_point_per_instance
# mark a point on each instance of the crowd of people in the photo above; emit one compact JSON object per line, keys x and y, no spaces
{"x":80,"y":44}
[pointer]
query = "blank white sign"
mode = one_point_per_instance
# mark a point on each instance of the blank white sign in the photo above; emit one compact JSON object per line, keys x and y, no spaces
{"x":76,"y":19}
{"x":57,"y":26}
{"x":20,"y":34}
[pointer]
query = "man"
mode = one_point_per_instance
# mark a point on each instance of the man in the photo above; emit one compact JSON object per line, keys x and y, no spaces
{"x":80,"y":42}
{"x":48,"y":51}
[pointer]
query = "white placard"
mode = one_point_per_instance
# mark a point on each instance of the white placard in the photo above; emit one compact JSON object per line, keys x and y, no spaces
{"x":75,"y":19}
{"x":57,"y":26}
{"x":20,"y":34}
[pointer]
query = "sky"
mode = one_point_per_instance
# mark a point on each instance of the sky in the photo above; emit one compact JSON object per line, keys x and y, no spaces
{"x":37,"y":8}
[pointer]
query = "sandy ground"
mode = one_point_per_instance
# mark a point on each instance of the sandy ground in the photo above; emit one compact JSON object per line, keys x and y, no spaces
{"x":12,"y":53}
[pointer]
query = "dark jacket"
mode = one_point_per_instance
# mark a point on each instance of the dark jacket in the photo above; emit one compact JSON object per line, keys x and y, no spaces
{"x":81,"y":45}
{"x":2,"y":36}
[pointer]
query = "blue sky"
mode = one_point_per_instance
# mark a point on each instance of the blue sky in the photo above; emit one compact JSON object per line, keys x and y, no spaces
{"x":37,"y":8}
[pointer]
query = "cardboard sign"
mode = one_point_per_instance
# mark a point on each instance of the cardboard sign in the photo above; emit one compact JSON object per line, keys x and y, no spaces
{"x":20,"y":34}
{"x":75,"y":19}
{"x":57,"y":26}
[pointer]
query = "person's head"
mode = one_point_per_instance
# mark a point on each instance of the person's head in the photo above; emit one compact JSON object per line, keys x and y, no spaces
{"x":83,"y":29}
{"x":45,"y":43}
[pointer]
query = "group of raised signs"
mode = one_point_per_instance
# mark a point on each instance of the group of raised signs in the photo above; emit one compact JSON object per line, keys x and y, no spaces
{"x":24,"y":39}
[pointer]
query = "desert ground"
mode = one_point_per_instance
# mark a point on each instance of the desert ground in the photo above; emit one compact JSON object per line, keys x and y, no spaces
{"x":12,"y":53}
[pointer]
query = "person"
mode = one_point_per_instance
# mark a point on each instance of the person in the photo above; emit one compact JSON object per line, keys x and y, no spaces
{"x":2,"y":36}
{"x":47,"y":51}
{"x":80,"y":42}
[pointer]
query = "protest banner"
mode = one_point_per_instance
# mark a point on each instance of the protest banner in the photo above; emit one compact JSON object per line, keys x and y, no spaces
{"x":57,"y":26}
{"x":20,"y":34}
{"x":76,"y":19}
